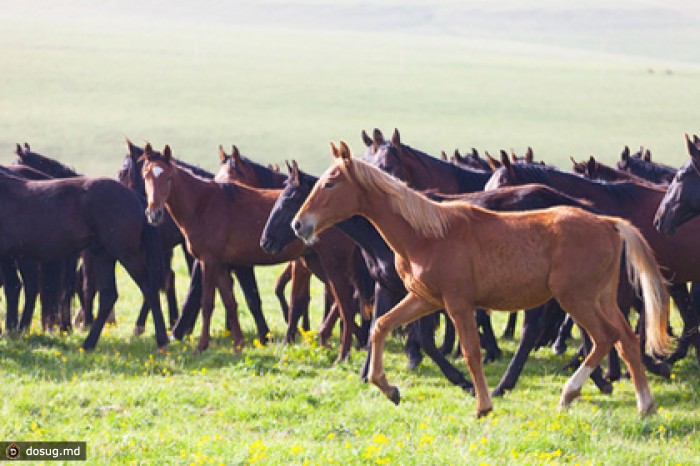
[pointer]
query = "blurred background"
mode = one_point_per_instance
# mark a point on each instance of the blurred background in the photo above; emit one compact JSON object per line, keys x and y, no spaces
{"x":280,"y":78}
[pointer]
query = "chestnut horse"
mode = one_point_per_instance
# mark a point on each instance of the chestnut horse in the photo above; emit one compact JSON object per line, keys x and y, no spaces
{"x":222,"y":224}
{"x":458,"y":257}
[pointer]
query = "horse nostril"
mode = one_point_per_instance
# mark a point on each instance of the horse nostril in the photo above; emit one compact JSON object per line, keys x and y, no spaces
{"x":296,"y":226}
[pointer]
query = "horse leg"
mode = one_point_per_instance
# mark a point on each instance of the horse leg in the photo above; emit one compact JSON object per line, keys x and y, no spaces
{"x":247,"y":282}
{"x":597,"y":375}
{"x":532,"y":324}
{"x":487,"y":338}
{"x":300,"y":298}
{"x":426,"y":333}
{"x":559,"y":346}
{"x":412,"y":346}
{"x":51,"y":287}
{"x":68,"y":281}
{"x":509,"y":331}
{"x":343,"y":293}
{"x":465,"y":324}
{"x":225,"y":287}
{"x":190,"y":308}
{"x":89,"y":286}
{"x":136,"y":267}
{"x":328,"y":324}
{"x":384,"y":300}
{"x":209,"y":280}
{"x":682,"y":300}
{"x":410,"y":308}
{"x":140,"y":326}
{"x":590,"y":316}
{"x":280,"y":285}
{"x":106,"y":284}
{"x":449,"y":341}
{"x":170,"y":294}
{"x":30,"y":271}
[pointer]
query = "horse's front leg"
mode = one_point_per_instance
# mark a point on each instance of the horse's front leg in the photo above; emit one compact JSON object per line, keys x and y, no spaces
{"x":209,"y":279}
{"x":407,"y":310}
{"x":225,"y":286}
{"x":465,"y":324}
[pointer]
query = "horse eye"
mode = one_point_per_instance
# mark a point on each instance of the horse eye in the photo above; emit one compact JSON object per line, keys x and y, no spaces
{"x":328,"y":185}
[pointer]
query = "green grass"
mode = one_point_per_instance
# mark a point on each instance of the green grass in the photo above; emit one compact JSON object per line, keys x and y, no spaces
{"x":289,"y":404}
{"x":280,"y":79}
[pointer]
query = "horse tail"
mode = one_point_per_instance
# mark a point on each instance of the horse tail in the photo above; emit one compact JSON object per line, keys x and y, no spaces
{"x":155,"y":260}
{"x":644,"y":273}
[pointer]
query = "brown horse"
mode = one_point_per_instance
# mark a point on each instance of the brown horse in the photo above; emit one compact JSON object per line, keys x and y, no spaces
{"x":222,"y":224}
{"x":523,"y":259}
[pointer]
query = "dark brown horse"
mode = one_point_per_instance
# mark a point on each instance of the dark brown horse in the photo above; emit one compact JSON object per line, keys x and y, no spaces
{"x":457,"y":256}
{"x":55,"y":219}
{"x":222,"y":224}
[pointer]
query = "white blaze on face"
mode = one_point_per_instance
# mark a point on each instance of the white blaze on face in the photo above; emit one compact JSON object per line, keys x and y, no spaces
{"x":157,"y":171}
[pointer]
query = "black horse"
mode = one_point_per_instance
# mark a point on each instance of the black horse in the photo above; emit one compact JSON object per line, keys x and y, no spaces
{"x":54,"y":219}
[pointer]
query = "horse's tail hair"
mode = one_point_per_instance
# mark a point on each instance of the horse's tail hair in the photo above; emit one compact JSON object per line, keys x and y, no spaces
{"x":645,"y":274}
{"x":155,"y":260}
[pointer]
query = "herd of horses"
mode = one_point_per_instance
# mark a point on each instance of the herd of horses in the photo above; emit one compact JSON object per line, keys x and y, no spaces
{"x":398,"y":237}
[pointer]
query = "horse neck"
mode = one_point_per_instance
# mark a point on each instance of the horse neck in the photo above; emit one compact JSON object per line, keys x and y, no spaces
{"x":367,"y":237}
{"x":396,"y":231}
{"x":438,"y":172}
{"x":187,"y":193}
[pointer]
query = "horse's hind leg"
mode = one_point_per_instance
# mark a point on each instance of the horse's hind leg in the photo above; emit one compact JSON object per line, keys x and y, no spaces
{"x":487,"y":337}
{"x":280,"y":285}
{"x":603,"y":334}
{"x":630,"y":353}
{"x":106,"y":284}
{"x":559,"y":346}
{"x":224,"y":283}
{"x":30,"y":279}
{"x":247,"y":282}
{"x":509,"y":331}
{"x":465,"y":324}
{"x":192,"y":303}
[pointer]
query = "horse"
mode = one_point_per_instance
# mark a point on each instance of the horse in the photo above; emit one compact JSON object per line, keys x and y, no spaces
{"x":378,"y":257}
{"x":640,"y":164}
{"x":594,"y":170}
{"x":130,"y":175}
{"x":222,"y":224}
{"x":235,"y":167}
{"x":681,"y":203}
{"x":458,"y":256}
{"x":636,"y":202}
{"x":58,"y":218}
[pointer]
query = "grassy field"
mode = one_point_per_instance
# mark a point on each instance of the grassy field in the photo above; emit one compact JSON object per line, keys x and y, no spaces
{"x":280,"y":79}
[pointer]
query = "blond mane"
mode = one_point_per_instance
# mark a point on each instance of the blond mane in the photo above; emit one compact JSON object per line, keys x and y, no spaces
{"x":429,"y":218}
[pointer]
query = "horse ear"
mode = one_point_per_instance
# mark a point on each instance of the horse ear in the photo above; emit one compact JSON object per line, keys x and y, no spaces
{"x":378,"y":136}
{"x":396,"y":138}
{"x":167,"y":153}
{"x":505,"y":161}
{"x":366,"y":139}
{"x":513,"y":157}
{"x":19,"y":151}
{"x":295,"y":171}
{"x":493,"y":163}
{"x":625,"y":153}
{"x":334,"y":150}
{"x":591,"y":166}
{"x":443,"y":155}
{"x":222,"y":154}
{"x":647,"y":155}
{"x":475,"y":153}
{"x":132,"y":149}
{"x":345,"y":153}
{"x":26,"y":147}
{"x":529,"y":156}
{"x":235,"y":154}
{"x":693,"y":150}
{"x":148,"y":150}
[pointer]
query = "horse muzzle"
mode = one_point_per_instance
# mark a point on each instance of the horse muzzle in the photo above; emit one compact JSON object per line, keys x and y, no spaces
{"x":154,"y":216}
{"x":269,"y":246}
{"x":304,"y":231}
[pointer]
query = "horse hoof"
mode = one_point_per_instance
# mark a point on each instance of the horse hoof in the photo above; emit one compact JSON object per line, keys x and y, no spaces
{"x":498,"y":392}
{"x":648,"y":411}
{"x":568,"y":397}
{"x":558,"y":349}
{"x":139,"y":330}
{"x":413,"y":363}
{"x":606,"y":388}
{"x":483,"y":412}
{"x":394,"y":395}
